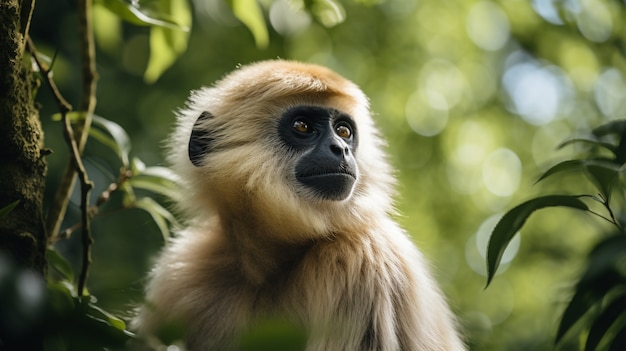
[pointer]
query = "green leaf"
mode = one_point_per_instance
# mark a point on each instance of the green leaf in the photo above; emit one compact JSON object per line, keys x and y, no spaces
{"x":166,"y":44}
{"x":160,"y":180}
{"x":587,"y":294}
{"x":604,"y":257}
{"x":604,"y":175}
{"x":159,"y":214}
{"x":592,"y":142}
{"x":565,"y":166}
{"x":133,"y":13}
{"x":110,"y":319}
{"x":119,"y":143}
{"x":250,"y":14}
{"x":328,"y":12}
{"x":61,"y":296}
{"x":619,"y":341}
{"x":513,"y":221}
{"x":604,"y":321}
{"x":620,"y":153}
{"x":97,"y":331}
{"x":8,"y":208}
{"x":107,"y":29}
{"x":59,"y":263}
{"x":74,"y":116}
{"x":600,"y":277}
{"x":617,"y":128}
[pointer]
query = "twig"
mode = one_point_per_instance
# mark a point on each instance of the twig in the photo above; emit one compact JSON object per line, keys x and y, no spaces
{"x":64,"y":106}
{"x":613,"y":218}
{"x":87,"y":105}
{"x":603,"y":217}
{"x":94,"y":209}
{"x":125,"y":174}
{"x":86,"y":184}
{"x":26,"y":13}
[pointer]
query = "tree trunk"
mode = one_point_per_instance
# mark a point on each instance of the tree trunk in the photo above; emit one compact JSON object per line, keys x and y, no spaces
{"x":22,"y":178}
{"x":22,"y":156}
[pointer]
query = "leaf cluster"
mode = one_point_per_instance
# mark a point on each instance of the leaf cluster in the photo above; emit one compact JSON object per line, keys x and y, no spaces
{"x":72,"y":319}
{"x":599,"y":297}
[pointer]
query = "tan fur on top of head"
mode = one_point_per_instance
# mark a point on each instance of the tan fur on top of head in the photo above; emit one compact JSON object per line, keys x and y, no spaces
{"x":259,"y":244}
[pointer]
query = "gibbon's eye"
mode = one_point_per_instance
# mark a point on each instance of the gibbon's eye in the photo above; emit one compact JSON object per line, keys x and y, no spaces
{"x":343,"y":131}
{"x":301,"y":126}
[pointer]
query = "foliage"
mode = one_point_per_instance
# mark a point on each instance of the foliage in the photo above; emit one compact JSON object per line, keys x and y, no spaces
{"x":468,"y":93}
{"x":599,"y":299}
{"x":72,"y":320}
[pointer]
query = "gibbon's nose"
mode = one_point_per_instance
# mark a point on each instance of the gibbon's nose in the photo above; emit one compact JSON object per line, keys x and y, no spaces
{"x":339,"y":148}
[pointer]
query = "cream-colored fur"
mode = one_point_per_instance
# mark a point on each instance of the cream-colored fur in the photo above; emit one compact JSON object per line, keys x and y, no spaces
{"x":259,"y":245}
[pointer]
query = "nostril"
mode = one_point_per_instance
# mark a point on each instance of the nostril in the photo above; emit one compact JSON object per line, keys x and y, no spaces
{"x":336,"y":149}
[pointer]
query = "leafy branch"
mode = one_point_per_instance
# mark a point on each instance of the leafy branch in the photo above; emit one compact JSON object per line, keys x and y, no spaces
{"x":76,"y":161}
{"x":603,"y":284}
{"x":87,"y":106}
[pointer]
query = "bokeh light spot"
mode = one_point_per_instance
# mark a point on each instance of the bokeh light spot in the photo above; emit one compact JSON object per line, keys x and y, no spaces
{"x":536,"y":92}
{"x":548,"y":10}
{"x":441,"y":79}
{"x":502,"y":172}
{"x":594,"y":20}
{"x":488,"y":26}
{"x":610,"y":93}
{"x":473,"y":142}
{"x":288,"y":19}
{"x":424,"y":118}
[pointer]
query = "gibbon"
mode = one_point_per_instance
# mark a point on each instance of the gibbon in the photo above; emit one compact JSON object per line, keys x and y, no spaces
{"x":288,"y":198}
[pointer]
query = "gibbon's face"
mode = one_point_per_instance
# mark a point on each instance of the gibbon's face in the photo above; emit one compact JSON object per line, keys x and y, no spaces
{"x":278,"y":127}
{"x":321,"y":141}
{"x":324,"y":140}
{"x":281,"y":141}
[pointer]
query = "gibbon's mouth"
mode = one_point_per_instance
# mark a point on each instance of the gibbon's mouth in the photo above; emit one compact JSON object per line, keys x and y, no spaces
{"x":331,"y":185}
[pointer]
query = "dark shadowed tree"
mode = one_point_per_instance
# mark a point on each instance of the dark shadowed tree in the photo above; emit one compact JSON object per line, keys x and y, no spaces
{"x":22,"y":154}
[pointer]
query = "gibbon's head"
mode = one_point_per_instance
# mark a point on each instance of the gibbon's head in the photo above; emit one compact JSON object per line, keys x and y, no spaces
{"x":282,"y":144}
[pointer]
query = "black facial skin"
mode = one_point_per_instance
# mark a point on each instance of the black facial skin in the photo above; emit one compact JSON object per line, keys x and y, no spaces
{"x":326,"y":139}
{"x":200,"y":141}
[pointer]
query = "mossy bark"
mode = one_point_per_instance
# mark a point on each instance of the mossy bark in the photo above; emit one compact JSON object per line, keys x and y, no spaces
{"x":22,"y":155}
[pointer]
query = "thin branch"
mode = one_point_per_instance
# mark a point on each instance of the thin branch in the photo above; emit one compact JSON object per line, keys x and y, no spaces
{"x":87,"y":106}
{"x":88,"y":68}
{"x":603,"y":217}
{"x":94,"y":209}
{"x":125,"y":174}
{"x":64,"y":106}
{"x":26,"y":14}
{"x":613,"y":218}
{"x":600,"y":199}
{"x":86,"y":184}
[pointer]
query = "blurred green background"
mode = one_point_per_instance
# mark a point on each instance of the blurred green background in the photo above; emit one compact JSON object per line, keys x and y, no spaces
{"x":472,"y":96}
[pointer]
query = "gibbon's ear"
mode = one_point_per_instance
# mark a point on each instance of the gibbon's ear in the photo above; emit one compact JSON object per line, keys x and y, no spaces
{"x":200,"y":140}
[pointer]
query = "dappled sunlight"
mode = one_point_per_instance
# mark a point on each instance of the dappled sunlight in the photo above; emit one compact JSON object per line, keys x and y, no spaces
{"x":469,"y":149}
{"x":594,"y":19}
{"x":286,"y":18}
{"x":426,"y":116}
{"x":537,"y":92}
{"x":472,"y":97}
{"x":502,"y":172}
{"x":610,"y":93}
{"x":488,"y":26}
